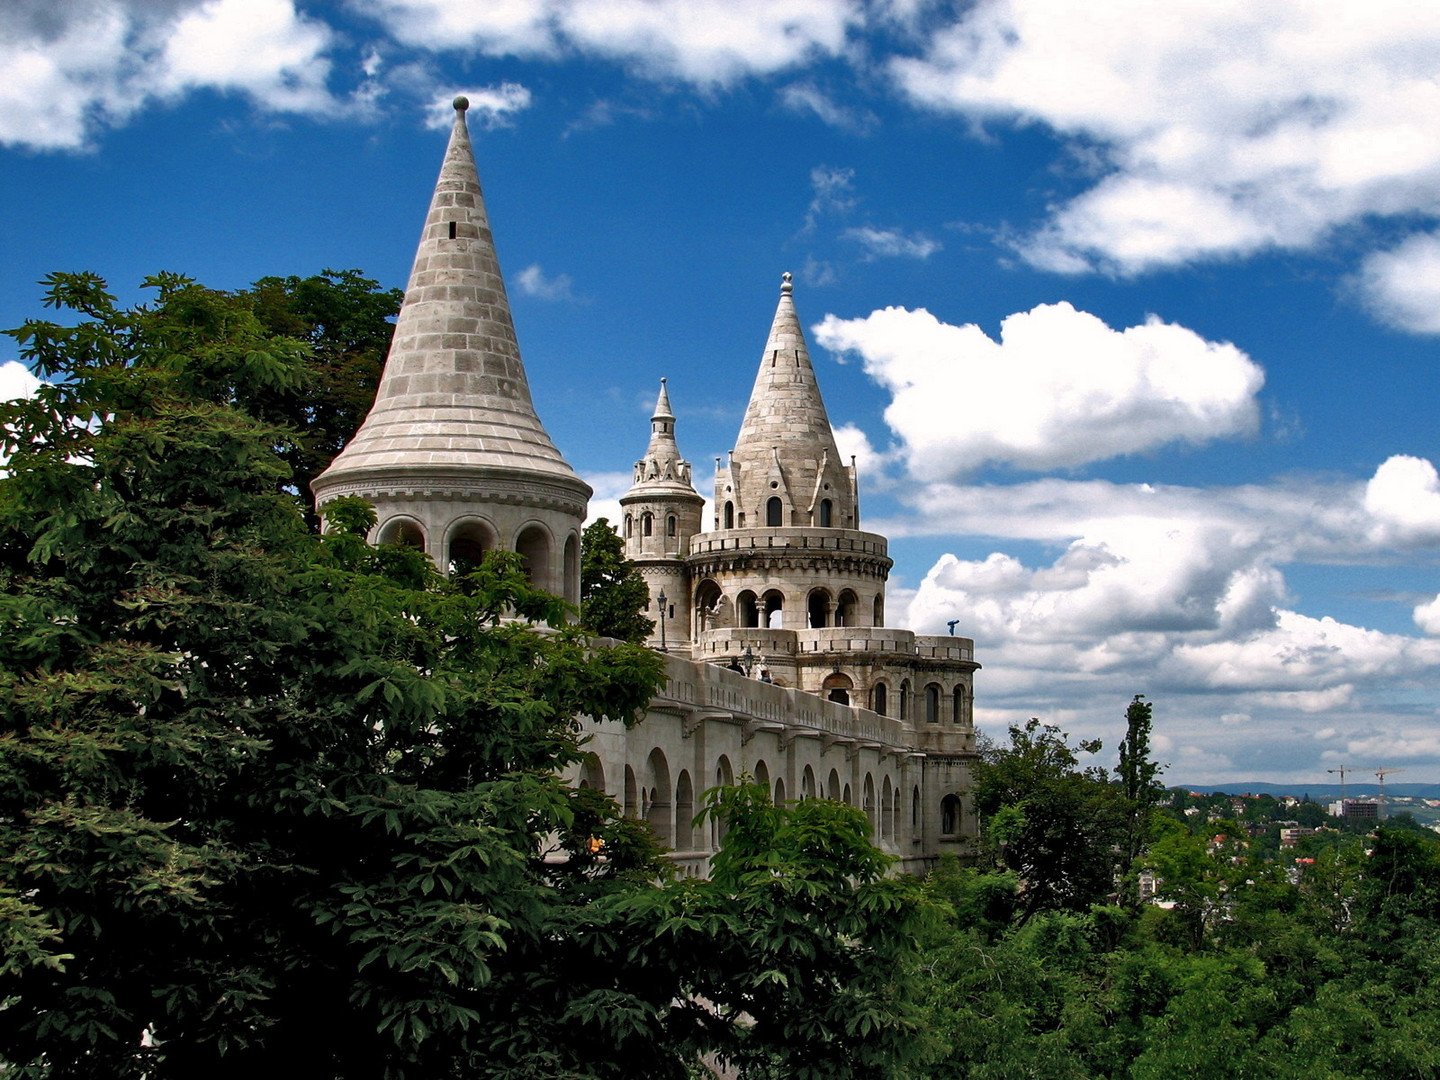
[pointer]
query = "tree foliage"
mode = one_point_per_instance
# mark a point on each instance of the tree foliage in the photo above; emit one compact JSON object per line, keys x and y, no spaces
{"x":613,"y":595}
{"x":274,"y":800}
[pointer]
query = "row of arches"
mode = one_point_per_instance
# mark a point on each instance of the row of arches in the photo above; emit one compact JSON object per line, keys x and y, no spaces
{"x":823,"y":516}
{"x":647,"y":525}
{"x":669,"y":805}
{"x":767,"y":609}
{"x":468,"y":540}
{"x":935,"y":704}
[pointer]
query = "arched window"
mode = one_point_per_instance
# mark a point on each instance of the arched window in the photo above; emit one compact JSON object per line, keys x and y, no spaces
{"x":774,"y":604}
{"x":469,"y":542}
{"x":403,"y":532}
{"x":915,"y":810}
{"x":729,"y":515}
{"x":825,"y":510}
{"x":932,"y":704}
{"x":647,"y":523}
{"x":905,"y":700}
{"x":629,"y":525}
{"x":878,"y":696}
{"x":957,"y":711}
{"x":818,"y":608}
{"x":747,"y":609}
{"x":670,"y":525}
{"x":533,"y":547}
{"x":845,"y":607}
{"x":879,"y":616}
{"x":950,"y":815}
{"x":774,"y":511}
{"x":684,"y":812}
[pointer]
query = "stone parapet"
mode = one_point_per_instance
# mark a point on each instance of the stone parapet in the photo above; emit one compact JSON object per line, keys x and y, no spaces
{"x":804,"y":538}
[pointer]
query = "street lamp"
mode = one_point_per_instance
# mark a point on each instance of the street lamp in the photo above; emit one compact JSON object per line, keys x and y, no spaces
{"x":748,"y":660}
{"x":661,"y":600}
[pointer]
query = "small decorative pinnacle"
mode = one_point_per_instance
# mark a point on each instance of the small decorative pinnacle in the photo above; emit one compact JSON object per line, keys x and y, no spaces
{"x":662,"y":380}
{"x":461,"y":103}
{"x":785,"y":286}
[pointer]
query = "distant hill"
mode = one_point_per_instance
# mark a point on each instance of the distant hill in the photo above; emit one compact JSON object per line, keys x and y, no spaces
{"x":1317,"y":792}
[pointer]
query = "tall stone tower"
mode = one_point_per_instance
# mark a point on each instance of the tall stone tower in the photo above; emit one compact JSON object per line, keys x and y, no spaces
{"x":452,"y":454}
{"x":786,"y":551}
{"x":662,"y":511}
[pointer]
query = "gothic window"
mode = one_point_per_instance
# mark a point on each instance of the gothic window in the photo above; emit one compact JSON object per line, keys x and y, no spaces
{"x":905,"y":700}
{"x":670,"y":525}
{"x":932,"y":704}
{"x":774,"y":511}
{"x":647,"y":522}
{"x":878,"y":695}
{"x":949,"y":815}
{"x":729,"y":515}
{"x":629,"y":525}
{"x":957,"y":715}
{"x":825,"y":513}
{"x":818,"y":607}
{"x":879,"y":617}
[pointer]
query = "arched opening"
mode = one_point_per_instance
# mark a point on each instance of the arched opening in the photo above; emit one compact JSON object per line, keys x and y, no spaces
{"x":774,"y":512}
{"x":403,"y":532}
{"x":670,"y":525}
{"x":949,"y":815}
{"x":729,"y":515}
{"x":647,"y":523}
{"x":832,"y":786}
{"x":825,"y":513}
{"x":845,"y":608}
{"x":807,"y":783}
{"x":747,"y":609}
{"x":632,"y":794}
{"x":684,"y":813}
{"x":592,"y":774}
{"x":658,"y":812}
{"x":571,"y":584}
{"x":905,"y":700}
{"x":868,"y":803}
{"x":779,"y":791}
{"x":533,"y":547}
{"x":469,"y":541}
{"x":774,"y":604}
{"x":932,"y":704}
{"x":629,"y":525}
{"x":878,"y":619}
{"x":878,"y":699}
{"x":724,"y":777}
{"x":847,"y":798}
{"x":837,"y":687}
{"x":817,"y":606}
{"x":887,"y":808}
{"x":915,"y":810}
{"x":762,"y":775}
{"x":957,"y":705}
{"x":707,"y":606}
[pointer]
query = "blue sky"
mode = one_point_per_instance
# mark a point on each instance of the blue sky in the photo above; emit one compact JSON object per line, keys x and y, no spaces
{"x":1132,"y":322}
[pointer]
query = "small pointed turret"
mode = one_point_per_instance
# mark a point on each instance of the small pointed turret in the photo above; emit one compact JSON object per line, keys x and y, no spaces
{"x":662,"y":510}
{"x":452,"y":455}
{"x":786,"y":449}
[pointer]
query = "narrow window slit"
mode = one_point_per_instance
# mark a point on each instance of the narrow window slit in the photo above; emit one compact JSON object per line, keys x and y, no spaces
{"x":452,"y":230}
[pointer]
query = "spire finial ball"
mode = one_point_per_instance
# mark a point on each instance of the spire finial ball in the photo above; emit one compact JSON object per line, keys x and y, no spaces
{"x":785,"y":285}
{"x":461,"y":103}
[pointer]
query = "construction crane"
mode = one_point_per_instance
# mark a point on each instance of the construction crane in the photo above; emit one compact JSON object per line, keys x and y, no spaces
{"x":1380,"y":775}
{"x":1342,"y":770}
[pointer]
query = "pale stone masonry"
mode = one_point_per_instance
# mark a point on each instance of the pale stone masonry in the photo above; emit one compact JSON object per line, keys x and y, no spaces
{"x":779,"y":663}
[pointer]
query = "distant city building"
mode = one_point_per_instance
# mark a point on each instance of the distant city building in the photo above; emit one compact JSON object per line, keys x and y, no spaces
{"x":1355,"y":809}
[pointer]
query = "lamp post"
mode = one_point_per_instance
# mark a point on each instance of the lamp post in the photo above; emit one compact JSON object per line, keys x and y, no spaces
{"x":661,"y":600}
{"x":747,"y":660}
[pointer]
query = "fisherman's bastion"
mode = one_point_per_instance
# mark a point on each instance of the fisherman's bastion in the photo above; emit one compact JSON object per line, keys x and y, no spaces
{"x":771,"y":615}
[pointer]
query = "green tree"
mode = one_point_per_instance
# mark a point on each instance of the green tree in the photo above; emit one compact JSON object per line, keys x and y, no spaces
{"x":1054,"y":824}
{"x":612,"y":592}
{"x":1139,"y":776}
{"x":277,"y":801}
{"x":345,"y":320}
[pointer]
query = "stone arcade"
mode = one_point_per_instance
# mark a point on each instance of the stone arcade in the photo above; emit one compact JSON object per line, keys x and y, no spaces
{"x":784,"y":584}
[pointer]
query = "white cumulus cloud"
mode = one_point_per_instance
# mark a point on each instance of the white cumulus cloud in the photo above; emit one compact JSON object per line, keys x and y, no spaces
{"x":1402,"y":286}
{"x":533,"y":282}
{"x":1060,"y":388}
{"x":71,"y":67}
{"x":490,"y":106}
{"x":1222,"y":128}
{"x":1404,"y":499}
{"x":710,"y":43}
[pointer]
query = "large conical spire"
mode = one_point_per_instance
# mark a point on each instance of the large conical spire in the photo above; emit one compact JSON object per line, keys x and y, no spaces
{"x":785,"y":468}
{"x":785,"y":405}
{"x":453,"y":397}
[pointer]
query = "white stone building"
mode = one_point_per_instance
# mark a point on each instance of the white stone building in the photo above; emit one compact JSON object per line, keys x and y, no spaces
{"x":779,"y":663}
